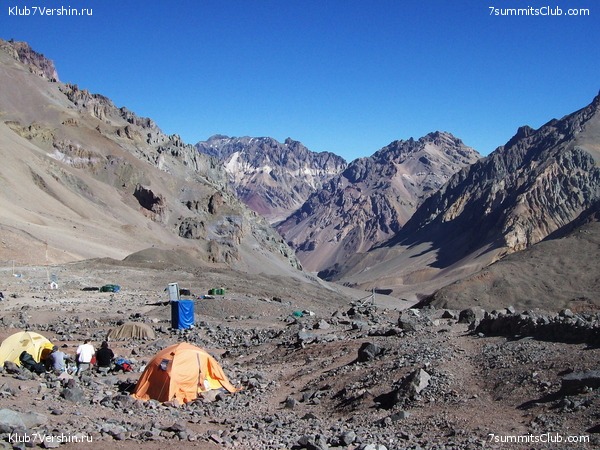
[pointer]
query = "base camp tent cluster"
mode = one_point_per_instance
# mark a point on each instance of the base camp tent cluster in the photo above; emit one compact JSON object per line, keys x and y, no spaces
{"x":181,"y":371}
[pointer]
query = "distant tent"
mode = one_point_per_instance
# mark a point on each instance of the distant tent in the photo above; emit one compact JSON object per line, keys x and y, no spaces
{"x":24,"y":341}
{"x":181,"y":372}
{"x":131,"y":330}
{"x":110,"y":288}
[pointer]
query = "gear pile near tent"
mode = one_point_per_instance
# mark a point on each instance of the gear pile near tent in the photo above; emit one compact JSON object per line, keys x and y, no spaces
{"x":181,"y":371}
{"x":24,"y":341}
{"x":131,"y":330}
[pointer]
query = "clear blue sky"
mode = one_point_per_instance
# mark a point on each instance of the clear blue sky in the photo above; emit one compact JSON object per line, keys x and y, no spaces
{"x":341,"y":75}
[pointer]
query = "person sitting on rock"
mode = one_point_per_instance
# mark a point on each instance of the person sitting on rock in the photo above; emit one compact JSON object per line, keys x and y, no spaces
{"x":57,"y":361}
{"x":104,"y":358}
{"x":85,"y":353}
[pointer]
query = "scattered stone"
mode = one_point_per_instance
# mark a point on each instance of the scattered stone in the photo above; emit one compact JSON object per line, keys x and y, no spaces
{"x":290,"y":403}
{"x":566,"y":313}
{"x":400,"y":415}
{"x":372,"y":447}
{"x":347,"y":438}
{"x":417,"y":381}
{"x":470,"y":315}
{"x":50,"y":443}
{"x":216,"y":439}
{"x":304,"y":337}
{"x":316,"y":442}
{"x":73,"y":394}
{"x":10,"y":420}
{"x":408,"y":322}
{"x":11,"y":368}
{"x":368,"y":352}
{"x":322,"y":325}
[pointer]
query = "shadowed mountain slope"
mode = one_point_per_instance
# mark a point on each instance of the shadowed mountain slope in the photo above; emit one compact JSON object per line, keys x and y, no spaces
{"x":558,"y":272}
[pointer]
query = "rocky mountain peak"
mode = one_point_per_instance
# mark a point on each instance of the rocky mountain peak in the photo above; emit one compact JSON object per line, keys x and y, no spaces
{"x":36,"y":62}
{"x":372,"y":198}
{"x":530,"y":162}
{"x":271,"y":177}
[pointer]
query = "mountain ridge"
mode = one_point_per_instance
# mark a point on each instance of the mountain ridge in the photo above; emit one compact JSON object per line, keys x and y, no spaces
{"x":271,"y":177}
{"x":371,"y":199}
{"x":83,"y":178}
{"x":537,"y":183}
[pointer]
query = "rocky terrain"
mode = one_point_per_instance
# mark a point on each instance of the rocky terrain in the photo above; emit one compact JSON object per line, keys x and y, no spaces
{"x":369,"y":202}
{"x":346,"y":374}
{"x":272,"y":178}
{"x":36,"y":62}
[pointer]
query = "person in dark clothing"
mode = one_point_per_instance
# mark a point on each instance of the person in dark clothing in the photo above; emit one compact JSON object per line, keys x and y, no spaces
{"x":29,"y":363}
{"x":104,"y":358}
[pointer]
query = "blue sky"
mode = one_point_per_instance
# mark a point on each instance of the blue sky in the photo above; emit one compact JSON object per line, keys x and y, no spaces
{"x":341,"y":75}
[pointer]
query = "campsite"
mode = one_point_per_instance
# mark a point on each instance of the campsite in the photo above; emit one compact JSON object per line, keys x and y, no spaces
{"x":346,"y":375}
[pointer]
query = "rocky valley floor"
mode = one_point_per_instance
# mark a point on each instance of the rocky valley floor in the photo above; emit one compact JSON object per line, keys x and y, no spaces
{"x":347,"y":374}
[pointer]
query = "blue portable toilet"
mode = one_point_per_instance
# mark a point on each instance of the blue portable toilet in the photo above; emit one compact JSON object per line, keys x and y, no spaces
{"x":182,"y":314}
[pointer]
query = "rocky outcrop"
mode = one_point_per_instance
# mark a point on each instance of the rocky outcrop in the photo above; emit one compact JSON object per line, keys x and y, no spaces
{"x":370,"y":201}
{"x":36,"y":62}
{"x":272,"y":178}
{"x":563,"y":327}
{"x":540,"y":181}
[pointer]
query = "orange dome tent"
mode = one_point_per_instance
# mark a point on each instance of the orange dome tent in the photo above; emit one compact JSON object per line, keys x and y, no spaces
{"x":181,"y":372}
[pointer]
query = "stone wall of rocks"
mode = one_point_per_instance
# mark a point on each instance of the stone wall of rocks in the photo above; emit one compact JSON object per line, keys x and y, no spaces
{"x":564,"y":327}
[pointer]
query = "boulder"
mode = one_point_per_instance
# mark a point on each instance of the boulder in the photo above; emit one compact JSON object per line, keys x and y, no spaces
{"x":10,"y":420}
{"x":575,"y":382}
{"x":417,"y":381}
{"x":470,"y":315}
{"x":11,"y":367}
{"x":368,"y":352}
{"x":73,"y":394}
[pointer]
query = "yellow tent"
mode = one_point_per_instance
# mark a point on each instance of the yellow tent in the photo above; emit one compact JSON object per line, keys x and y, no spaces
{"x":33,"y":343}
{"x":181,"y":372}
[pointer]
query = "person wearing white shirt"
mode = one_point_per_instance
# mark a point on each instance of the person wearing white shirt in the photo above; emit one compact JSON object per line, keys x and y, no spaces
{"x":85,"y":353}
